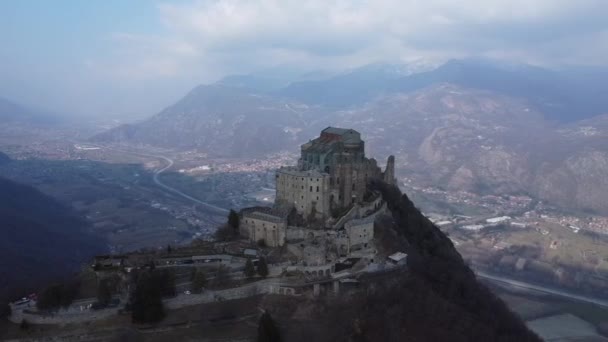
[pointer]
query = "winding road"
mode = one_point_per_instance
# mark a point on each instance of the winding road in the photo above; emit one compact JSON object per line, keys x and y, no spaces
{"x":158,"y":182}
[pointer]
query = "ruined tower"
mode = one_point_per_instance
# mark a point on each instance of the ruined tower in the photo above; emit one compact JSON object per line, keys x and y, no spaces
{"x":389,"y":172}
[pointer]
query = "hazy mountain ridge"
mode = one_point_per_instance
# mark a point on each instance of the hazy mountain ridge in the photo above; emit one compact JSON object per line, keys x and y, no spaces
{"x":481,"y":141}
{"x":513,"y":137}
{"x":561,"y":95}
{"x":223,"y":119}
{"x":12,"y":112}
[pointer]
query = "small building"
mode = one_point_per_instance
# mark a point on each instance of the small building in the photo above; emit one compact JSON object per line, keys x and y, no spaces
{"x":473,"y":227}
{"x":265,"y":224}
{"x":398,"y":258}
{"x":497,"y":220}
{"x":250,"y":253}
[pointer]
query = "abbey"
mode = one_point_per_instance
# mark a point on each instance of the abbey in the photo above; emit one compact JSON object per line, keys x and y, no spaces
{"x":327,"y":190}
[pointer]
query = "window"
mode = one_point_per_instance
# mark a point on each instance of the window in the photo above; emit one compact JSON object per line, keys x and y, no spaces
{"x":311,"y":188}
{"x":338,"y":180}
{"x":353,"y":186}
{"x":317,"y":188}
{"x":317,"y":198}
{"x":302,"y":197}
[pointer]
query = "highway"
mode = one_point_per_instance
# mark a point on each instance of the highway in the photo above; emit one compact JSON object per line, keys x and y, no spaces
{"x":539,"y":288}
{"x":158,"y":182}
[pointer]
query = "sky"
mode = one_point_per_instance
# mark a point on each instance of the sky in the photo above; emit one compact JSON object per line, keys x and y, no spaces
{"x":131,"y":58}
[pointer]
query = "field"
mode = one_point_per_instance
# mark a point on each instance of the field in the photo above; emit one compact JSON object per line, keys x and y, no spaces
{"x":556,"y":318}
{"x":119,"y":200}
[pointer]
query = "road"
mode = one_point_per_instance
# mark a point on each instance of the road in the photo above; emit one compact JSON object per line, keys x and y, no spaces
{"x":539,"y":288}
{"x":158,"y":182}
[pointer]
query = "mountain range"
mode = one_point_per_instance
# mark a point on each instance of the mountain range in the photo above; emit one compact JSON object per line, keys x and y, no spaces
{"x":13,"y":112}
{"x":474,"y":125}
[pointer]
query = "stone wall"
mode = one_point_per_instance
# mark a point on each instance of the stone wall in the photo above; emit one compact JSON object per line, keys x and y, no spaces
{"x":299,"y":233}
{"x":265,"y":227}
{"x":360,"y":232}
{"x":304,"y":190}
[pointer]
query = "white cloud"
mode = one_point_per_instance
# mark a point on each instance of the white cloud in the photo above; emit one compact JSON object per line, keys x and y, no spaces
{"x":201,"y":41}
{"x":211,"y":37}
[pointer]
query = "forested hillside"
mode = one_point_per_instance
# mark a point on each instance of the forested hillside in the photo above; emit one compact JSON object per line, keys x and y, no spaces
{"x":41,"y":239}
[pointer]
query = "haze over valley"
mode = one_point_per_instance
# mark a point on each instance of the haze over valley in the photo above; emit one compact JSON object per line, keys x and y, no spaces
{"x":478,"y":157}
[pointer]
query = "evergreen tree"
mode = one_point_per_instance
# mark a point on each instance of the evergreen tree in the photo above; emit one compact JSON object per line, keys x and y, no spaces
{"x":234,"y":221}
{"x":58,"y":295}
{"x":199,"y":281}
{"x":267,"y":330}
{"x":147,"y":304}
{"x":262,"y":268}
{"x":249,"y":269}
{"x":104,"y":292}
{"x":25,"y":325}
{"x":222,"y":277}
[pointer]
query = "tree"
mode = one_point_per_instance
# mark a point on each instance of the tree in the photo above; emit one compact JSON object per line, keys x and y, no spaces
{"x":224,"y":233}
{"x":146,"y":302}
{"x":249,"y":269}
{"x":234,"y":221}
{"x":166,"y":279}
{"x":222,"y":277}
{"x":104,"y":292}
{"x":6,"y":311}
{"x":267,"y":330}
{"x":262,"y":268}
{"x":58,"y":295}
{"x":25,"y":325}
{"x":199,"y":281}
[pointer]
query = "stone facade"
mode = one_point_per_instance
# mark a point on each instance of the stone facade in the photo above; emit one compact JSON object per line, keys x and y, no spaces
{"x":267,"y":226}
{"x":307,"y":191}
{"x":329,"y":185}
{"x":360,"y":232}
{"x":335,"y":164}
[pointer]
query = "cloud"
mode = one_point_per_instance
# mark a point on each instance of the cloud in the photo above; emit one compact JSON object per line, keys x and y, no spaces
{"x":200,"y":41}
{"x":346,"y":28}
{"x":209,"y":38}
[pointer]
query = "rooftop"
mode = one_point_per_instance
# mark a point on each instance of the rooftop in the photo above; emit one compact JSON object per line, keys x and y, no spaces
{"x":332,"y":135}
{"x":338,"y":131}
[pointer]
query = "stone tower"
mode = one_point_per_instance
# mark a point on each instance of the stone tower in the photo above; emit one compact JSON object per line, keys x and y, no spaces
{"x":332,"y":174}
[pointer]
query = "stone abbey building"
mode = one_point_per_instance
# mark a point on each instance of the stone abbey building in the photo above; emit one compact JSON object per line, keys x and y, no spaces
{"x":328,"y":187}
